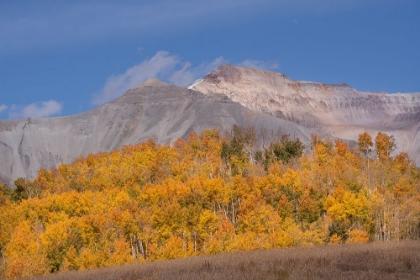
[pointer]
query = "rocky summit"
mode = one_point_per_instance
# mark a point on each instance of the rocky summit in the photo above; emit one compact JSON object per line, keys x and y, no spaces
{"x":338,"y":110}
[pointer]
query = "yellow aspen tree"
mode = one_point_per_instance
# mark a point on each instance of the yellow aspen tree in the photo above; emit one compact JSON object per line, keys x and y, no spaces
{"x":365,"y":143}
{"x":121,"y":252}
{"x":384,"y":145}
{"x":358,"y":236}
{"x":335,"y":239}
{"x":222,"y":238}
{"x":340,"y":148}
{"x":24,"y":253}
{"x":71,"y":259}
{"x":54,"y":244}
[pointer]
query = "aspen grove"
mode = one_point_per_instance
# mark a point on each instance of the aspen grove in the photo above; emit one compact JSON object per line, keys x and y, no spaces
{"x":204,"y":195}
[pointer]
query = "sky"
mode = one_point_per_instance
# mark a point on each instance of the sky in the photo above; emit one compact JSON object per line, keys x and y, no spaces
{"x":59,"y":58}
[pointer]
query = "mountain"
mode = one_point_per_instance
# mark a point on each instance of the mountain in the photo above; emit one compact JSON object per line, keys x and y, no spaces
{"x":152,"y":110}
{"x":339,"y":110}
{"x":268,"y":101}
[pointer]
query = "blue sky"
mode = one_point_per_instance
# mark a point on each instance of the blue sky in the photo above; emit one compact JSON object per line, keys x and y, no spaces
{"x":59,"y":58}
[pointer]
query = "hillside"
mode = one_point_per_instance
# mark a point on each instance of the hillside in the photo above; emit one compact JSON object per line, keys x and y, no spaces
{"x":339,"y":110}
{"x":152,"y":110}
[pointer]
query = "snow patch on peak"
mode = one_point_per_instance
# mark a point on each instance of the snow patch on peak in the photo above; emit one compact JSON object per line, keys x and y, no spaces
{"x":196,"y":82}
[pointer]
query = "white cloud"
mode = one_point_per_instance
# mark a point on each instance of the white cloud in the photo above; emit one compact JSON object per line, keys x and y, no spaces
{"x":36,"y":110}
{"x":163,"y":66}
{"x":187,"y":74}
{"x":3,"y":108}
{"x":160,"y":64}
{"x":166,"y":67}
{"x":258,"y":64}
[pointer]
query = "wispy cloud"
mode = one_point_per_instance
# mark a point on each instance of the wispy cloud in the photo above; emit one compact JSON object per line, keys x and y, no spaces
{"x":157,"y":66}
{"x":163,"y":66}
{"x":166,"y":67}
{"x":187,"y":74}
{"x":36,"y":110}
{"x":3,"y":108}
{"x":258,"y":64}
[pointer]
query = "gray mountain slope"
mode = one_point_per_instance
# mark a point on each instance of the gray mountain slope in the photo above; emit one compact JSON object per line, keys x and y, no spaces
{"x":339,"y":110}
{"x":152,"y":110}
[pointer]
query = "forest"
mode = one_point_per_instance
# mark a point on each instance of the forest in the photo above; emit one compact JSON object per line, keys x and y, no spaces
{"x":206,"y":195}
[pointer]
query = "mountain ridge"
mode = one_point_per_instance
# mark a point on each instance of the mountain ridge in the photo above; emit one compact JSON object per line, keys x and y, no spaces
{"x":153,"y":110}
{"x":227,"y":96}
{"x":339,"y":109}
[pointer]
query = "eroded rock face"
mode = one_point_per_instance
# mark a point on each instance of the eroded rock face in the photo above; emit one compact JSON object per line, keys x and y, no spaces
{"x":152,"y":110}
{"x":339,"y":110}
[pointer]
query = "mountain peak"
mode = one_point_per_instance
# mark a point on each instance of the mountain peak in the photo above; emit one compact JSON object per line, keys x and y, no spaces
{"x":232,"y":74}
{"x":225,"y":72}
{"x":152,"y":82}
{"x":147,"y":89}
{"x":154,"y":89}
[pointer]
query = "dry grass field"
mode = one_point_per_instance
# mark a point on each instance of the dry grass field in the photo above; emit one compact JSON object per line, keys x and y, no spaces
{"x":393,"y":260}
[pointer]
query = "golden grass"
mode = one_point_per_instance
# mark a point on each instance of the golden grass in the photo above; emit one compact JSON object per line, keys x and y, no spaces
{"x":392,"y":260}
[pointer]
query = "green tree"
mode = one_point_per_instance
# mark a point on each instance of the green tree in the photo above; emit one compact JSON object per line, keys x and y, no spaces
{"x":283,"y":150}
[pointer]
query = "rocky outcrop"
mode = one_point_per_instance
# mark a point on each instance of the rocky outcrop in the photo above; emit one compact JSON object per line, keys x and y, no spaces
{"x":339,"y":110}
{"x":152,"y":110}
